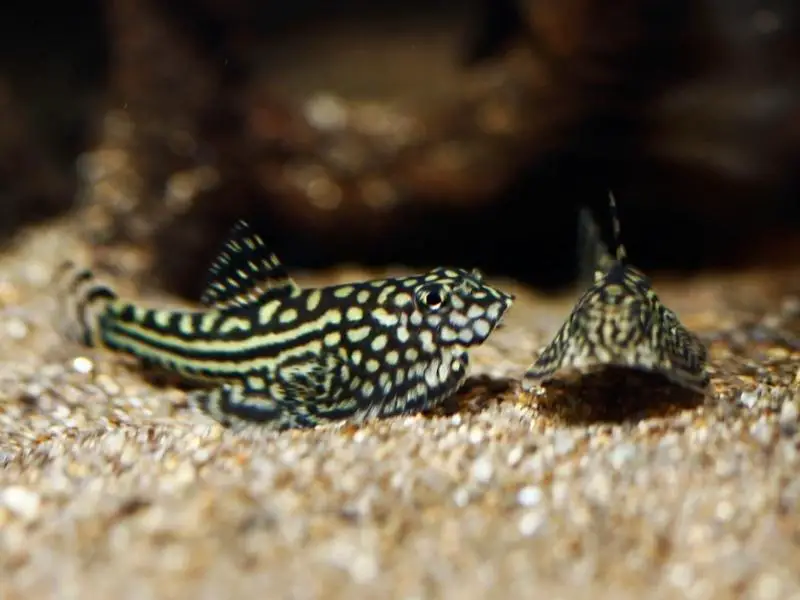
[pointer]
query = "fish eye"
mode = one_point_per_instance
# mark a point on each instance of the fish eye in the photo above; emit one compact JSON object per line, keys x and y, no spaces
{"x":432,"y":297}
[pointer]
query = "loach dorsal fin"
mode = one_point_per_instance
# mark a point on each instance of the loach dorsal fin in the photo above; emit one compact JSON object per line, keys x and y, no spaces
{"x":244,"y":271}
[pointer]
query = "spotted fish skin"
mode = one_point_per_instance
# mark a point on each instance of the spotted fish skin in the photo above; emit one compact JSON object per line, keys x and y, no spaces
{"x":619,"y":320}
{"x":284,"y":357}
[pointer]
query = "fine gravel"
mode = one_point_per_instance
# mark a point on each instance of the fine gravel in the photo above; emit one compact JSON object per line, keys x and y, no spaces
{"x":112,"y":486}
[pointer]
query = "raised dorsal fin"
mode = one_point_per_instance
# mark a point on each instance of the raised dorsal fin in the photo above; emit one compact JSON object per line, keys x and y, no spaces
{"x":594,"y":259}
{"x":620,"y":253}
{"x":245,"y":271}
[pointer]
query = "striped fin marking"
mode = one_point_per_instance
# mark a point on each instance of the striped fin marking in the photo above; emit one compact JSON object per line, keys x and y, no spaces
{"x":620,"y":320}
{"x":245,"y":272}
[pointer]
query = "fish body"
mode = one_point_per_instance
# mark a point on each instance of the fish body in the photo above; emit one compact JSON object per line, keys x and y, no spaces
{"x":619,"y":321}
{"x":282,"y":356}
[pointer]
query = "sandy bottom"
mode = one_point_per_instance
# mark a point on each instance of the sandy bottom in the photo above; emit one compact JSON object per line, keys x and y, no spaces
{"x":112,"y":487}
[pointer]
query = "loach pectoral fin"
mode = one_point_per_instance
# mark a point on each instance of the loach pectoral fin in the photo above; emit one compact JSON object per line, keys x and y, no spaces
{"x":234,"y":406}
{"x":304,"y":392}
{"x":245,"y":271}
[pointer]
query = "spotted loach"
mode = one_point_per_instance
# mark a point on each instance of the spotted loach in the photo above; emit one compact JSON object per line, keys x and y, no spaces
{"x":280,"y":356}
{"x":619,"y":321}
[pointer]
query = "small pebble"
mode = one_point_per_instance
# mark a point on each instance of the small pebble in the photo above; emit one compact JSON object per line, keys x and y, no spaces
{"x":563,"y":443}
{"x":726,"y":468}
{"x":461,"y":497}
{"x":113,"y":443}
{"x":788,"y":417}
{"x":17,"y":329}
{"x":531,"y":523}
{"x":364,"y":568}
{"x":559,"y":493}
{"x":529,"y":496}
{"x":482,"y":470}
{"x":599,"y":487}
{"x":515,"y":456}
{"x":82,"y":365}
{"x":762,"y":432}
{"x":621,"y":454}
{"x":22,"y":502}
{"x":475,"y":435}
{"x":681,"y":575}
{"x":201,"y":455}
{"x":768,"y":587}
{"x":748,"y":399}
{"x":725,"y":511}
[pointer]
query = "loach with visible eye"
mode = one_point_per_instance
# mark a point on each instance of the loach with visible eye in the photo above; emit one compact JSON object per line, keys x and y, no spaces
{"x":619,"y":321}
{"x":286,"y":357}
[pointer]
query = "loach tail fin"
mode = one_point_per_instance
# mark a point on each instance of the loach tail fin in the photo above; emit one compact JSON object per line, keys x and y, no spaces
{"x":82,"y":299}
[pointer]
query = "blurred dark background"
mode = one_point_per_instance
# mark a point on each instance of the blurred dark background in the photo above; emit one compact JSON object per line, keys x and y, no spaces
{"x":406,"y":132}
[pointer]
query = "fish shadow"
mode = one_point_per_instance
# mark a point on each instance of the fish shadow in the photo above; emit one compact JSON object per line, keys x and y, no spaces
{"x":611,"y":395}
{"x":161,"y":378}
{"x":614,"y":395}
{"x":476,"y":394}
